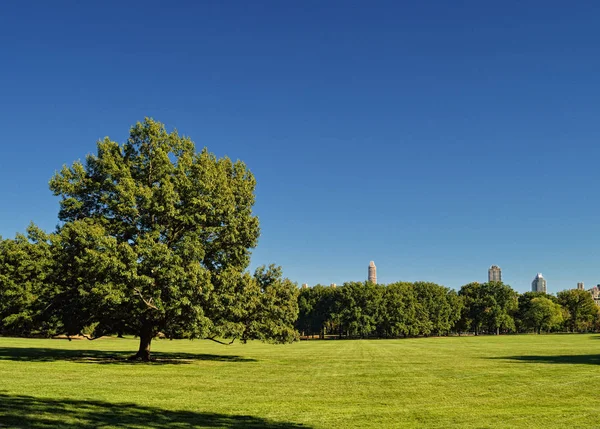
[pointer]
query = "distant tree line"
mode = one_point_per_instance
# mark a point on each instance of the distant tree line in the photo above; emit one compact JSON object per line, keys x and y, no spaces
{"x":367,"y":310}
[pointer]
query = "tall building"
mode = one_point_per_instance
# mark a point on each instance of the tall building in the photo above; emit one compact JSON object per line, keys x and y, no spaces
{"x":305,"y":286}
{"x":595,"y":291}
{"x":580,"y":286}
{"x":494,"y":274}
{"x":538,"y":284}
{"x":372,"y":273}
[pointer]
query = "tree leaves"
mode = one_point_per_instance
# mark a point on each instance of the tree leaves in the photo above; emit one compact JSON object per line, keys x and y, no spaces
{"x":155,"y":237}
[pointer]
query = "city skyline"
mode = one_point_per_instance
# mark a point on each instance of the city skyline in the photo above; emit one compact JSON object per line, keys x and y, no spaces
{"x":440,"y":102}
{"x":556,"y":284}
{"x":539,"y":283}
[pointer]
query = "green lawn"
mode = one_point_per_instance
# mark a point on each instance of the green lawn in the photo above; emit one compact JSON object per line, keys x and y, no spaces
{"x":528,"y":381}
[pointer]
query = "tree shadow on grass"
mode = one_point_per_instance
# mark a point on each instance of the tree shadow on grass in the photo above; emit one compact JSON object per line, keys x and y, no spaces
{"x":106,"y":357}
{"x":560,"y":359}
{"x":42,"y":413}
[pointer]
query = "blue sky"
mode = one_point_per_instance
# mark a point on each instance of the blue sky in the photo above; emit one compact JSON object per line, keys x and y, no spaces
{"x":436,"y":138}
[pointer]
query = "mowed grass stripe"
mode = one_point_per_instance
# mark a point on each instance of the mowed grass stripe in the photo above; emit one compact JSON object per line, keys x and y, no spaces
{"x":523,"y":381}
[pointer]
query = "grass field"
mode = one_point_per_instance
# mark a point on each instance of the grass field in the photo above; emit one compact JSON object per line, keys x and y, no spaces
{"x":528,"y":381}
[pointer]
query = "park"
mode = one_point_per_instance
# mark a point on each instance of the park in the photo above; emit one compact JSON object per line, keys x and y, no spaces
{"x":518,"y":381}
{"x":152,"y":253}
{"x":191,"y":193}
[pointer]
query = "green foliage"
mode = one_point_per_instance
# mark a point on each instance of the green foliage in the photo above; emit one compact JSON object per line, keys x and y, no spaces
{"x":399,"y":310}
{"x":273,"y":307}
{"x":25,"y":265}
{"x":438,"y":308}
{"x":522,"y":322}
{"x":363,"y":310}
{"x":156,"y":238}
{"x":317,"y":310}
{"x":543,"y":313}
{"x":581,"y":310}
{"x":357,"y":308}
{"x":488,"y":307}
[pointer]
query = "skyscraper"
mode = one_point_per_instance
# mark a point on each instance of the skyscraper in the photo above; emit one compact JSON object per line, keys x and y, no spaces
{"x":580,"y":286}
{"x":494,"y":274}
{"x":538,"y":284}
{"x":372,"y":273}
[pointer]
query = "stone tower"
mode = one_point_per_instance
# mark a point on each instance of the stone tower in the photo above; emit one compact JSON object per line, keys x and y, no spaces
{"x":372,"y":273}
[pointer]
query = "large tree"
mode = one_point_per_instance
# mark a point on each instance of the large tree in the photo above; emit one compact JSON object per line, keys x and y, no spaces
{"x":398,"y":312}
{"x":523,"y":321}
{"x":438,"y":308}
{"x":581,"y":309}
{"x":316,"y":309}
{"x":543,"y":313}
{"x":358,"y":308}
{"x":473,"y":309}
{"x":156,"y":237}
{"x":488,"y":306}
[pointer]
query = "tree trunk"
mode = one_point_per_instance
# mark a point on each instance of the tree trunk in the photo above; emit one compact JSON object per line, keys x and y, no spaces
{"x":145,"y":342}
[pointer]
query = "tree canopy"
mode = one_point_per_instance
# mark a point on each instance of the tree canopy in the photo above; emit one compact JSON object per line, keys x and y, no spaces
{"x":488,"y":306}
{"x":543,"y":313}
{"x":156,"y":237}
{"x":25,"y":267}
{"x":580,"y":309}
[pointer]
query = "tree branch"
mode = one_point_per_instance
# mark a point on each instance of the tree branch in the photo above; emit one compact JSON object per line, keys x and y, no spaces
{"x":221,"y":342}
{"x":148,"y":303}
{"x":87,"y":337}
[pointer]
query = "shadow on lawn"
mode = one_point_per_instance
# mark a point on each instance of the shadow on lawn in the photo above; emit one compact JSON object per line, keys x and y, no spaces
{"x":105,"y":357}
{"x":41,"y":413}
{"x":568,"y":359}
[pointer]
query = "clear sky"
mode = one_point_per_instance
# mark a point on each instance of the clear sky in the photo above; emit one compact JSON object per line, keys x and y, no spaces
{"x":436,"y":138}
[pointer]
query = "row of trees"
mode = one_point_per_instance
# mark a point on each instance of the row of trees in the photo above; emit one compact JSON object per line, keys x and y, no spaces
{"x":154,"y":237}
{"x":360,"y":310}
